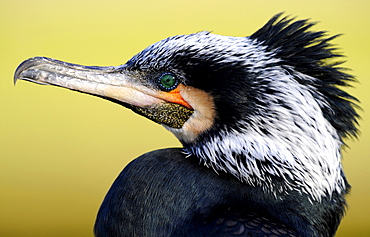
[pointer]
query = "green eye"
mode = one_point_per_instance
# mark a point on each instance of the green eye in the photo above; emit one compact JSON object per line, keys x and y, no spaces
{"x":168,"y":81}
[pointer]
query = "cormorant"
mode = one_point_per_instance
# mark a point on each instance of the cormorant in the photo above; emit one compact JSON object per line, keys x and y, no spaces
{"x":261,"y":119}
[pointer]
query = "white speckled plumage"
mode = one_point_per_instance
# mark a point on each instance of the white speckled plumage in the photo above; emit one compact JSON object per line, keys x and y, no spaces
{"x":301,"y":146}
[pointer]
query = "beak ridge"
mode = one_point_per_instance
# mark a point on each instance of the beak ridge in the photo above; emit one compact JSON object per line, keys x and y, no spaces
{"x":108,"y":82}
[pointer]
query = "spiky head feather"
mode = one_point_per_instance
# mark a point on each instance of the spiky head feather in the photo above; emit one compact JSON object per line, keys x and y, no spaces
{"x":312,"y":53}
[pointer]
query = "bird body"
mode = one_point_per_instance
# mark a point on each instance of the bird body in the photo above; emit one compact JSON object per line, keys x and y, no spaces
{"x":203,"y":204}
{"x":261,"y":119}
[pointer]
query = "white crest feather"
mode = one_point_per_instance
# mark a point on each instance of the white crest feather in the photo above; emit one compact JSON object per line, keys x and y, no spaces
{"x":301,"y":145}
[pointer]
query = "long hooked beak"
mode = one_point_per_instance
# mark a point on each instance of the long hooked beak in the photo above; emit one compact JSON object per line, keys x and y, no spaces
{"x":112,"y":83}
{"x":109,"y":82}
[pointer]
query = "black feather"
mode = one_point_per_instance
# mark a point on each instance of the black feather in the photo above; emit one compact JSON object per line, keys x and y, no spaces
{"x":312,"y":53}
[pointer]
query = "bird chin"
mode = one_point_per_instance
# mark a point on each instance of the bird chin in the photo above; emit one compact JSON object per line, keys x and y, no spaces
{"x":192,"y":128}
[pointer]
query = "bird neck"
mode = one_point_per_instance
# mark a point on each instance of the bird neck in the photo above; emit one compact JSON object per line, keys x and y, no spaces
{"x":291,"y":142}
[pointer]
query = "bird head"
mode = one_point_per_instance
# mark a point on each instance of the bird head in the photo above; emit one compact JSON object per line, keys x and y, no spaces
{"x":265,"y":108}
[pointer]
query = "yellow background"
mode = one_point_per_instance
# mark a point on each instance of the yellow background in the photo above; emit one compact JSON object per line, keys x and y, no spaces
{"x":61,"y":150}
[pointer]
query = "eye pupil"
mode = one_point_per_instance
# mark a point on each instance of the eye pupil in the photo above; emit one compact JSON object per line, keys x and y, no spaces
{"x":168,"y":81}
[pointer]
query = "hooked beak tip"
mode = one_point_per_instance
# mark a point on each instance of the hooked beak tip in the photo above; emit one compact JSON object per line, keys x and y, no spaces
{"x":28,"y":63}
